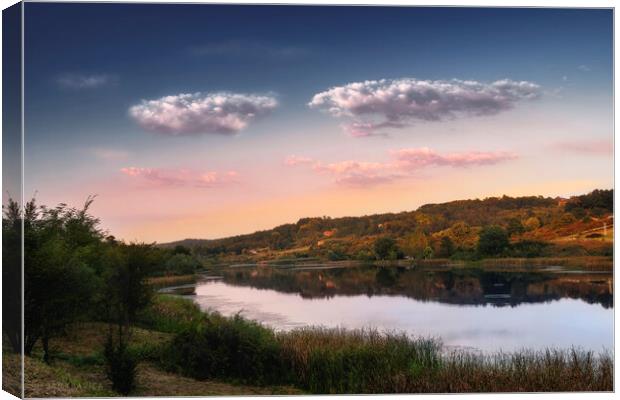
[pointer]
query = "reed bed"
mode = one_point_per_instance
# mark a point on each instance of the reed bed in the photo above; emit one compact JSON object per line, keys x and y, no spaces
{"x":328,"y":361}
{"x":171,"y":280}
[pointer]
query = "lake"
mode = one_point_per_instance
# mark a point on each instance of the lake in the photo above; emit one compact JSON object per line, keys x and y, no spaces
{"x":468,"y":308}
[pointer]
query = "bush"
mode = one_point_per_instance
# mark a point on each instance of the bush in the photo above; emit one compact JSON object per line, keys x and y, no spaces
{"x":528,"y":248}
{"x":493,"y":241}
{"x":120,"y":367}
{"x":228,"y":348}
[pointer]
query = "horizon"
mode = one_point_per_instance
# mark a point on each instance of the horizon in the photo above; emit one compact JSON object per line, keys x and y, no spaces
{"x":203,"y":121}
{"x":565,"y":197}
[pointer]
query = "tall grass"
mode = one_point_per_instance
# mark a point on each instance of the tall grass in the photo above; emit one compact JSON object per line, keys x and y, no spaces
{"x":326,"y":361}
{"x":357,"y":361}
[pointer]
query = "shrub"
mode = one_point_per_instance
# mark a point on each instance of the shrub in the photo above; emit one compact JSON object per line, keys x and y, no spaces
{"x":528,"y":248}
{"x":120,"y":367}
{"x":493,"y":241}
{"x":229,"y":348}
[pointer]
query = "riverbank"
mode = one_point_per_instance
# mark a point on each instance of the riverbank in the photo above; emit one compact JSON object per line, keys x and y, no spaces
{"x":590,"y":263}
{"x":183,"y":351}
{"x":77,"y":369}
{"x":330,"y":361}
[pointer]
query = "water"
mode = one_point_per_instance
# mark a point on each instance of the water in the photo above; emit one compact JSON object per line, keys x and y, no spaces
{"x":466,"y":308}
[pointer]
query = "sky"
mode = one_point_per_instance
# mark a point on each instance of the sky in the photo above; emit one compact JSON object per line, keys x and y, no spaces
{"x":205,"y":121}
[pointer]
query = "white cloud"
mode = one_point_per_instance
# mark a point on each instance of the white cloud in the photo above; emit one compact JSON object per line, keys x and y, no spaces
{"x":584,"y":68}
{"x":80,"y":81}
{"x":202,"y":113}
{"x":400,"y":102}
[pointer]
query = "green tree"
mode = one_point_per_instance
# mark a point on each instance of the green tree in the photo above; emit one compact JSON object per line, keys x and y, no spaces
{"x":11,"y":274}
{"x":384,"y":247}
{"x":493,"y":241}
{"x":125,"y":294}
{"x":180,"y":249}
{"x":427,"y":254}
{"x":181,"y":263}
{"x":59,"y":281}
{"x":446,"y":247}
{"x":515,"y":227}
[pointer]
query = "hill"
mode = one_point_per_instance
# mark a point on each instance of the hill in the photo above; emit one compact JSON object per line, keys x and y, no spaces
{"x":533,"y":225}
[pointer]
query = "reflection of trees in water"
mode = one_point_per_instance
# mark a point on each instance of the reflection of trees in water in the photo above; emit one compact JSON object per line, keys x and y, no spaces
{"x":457,"y":286}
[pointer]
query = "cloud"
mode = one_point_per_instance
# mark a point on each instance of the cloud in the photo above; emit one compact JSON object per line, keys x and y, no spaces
{"x":79,"y":81}
{"x":249,"y":48}
{"x":293,"y":160}
{"x":202,"y":113}
{"x":401,"y":102}
{"x":587,"y":147}
{"x":584,"y":68}
{"x":422,"y":157}
{"x":403,"y":163}
{"x":181,"y":177}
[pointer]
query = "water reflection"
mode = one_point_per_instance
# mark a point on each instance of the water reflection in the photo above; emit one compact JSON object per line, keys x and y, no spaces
{"x":471,"y":308}
{"x":467,"y":286}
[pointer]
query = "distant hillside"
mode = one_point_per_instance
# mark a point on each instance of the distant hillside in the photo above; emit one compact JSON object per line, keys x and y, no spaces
{"x":563,"y":222}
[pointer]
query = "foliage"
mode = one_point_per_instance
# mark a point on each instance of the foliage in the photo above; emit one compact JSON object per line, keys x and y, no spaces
{"x":493,"y":241}
{"x":232,"y":348}
{"x":528,"y":248}
{"x":181,"y":264}
{"x":61,"y":247}
{"x":386,"y":249}
{"x":446,"y":247}
{"x":120,"y":367}
{"x":530,"y":218}
{"x":12,"y":275}
{"x":601,"y":199}
{"x":170,"y":314}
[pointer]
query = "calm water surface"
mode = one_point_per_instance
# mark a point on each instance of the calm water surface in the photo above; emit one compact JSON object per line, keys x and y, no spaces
{"x":466,"y":308}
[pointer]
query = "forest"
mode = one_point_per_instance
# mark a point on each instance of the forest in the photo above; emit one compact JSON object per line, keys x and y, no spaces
{"x":531,"y":226}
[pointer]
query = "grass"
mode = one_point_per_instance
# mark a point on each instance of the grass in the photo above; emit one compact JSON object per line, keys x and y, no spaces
{"x":77,"y":368}
{"x":329,"y":361}
{"x":184,"y":352}
{"x":159,"y":282}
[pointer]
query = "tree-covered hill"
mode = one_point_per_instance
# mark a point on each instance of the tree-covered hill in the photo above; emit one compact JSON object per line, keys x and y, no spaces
{"x":531,"y":224}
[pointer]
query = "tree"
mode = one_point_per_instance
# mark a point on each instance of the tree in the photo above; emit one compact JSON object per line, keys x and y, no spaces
{"x":59,"y":281}
{"x":181,"y":264}
{"x":415,"y":243}
{"x":514,"y":227}
{"x":385,"y":247}
{"x":11,"y":274}
{"x":180,"y":249}
{"x":427,"y":254}
{"x":125,"y":294}
{"x":531,"y":224}
{"x":446,"y":247}
{"x":493,"y":241}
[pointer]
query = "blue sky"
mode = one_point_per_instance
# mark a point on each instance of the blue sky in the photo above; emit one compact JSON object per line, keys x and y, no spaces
{"x":87,"y":65}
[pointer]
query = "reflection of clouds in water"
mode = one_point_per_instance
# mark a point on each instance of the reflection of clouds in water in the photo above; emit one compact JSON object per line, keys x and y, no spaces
{"x":563,"y":323}
{"x":248,"y":310}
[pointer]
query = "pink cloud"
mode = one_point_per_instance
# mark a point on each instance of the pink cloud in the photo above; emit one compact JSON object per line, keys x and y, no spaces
{"x":180,"y":177}
{"x":403,"y":164}
{"x":420,"y":157}
{"x":593,"y":147}
{"x":293,"y":160}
